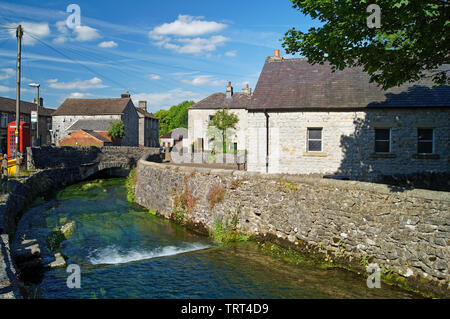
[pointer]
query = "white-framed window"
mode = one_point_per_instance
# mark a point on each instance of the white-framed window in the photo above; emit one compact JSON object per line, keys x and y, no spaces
{"x":425,"y":141}
{"x":314,"y":143}
{"x":383,"y":137}
{"x":4,"y":120}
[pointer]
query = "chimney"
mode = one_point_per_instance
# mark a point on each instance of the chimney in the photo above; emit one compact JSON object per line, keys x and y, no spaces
{"x":247,"y":90}
{"x":277,"y":53}
{"x":126,"y":95}
{"x":229,"y":91}
{"x":143,"y":105}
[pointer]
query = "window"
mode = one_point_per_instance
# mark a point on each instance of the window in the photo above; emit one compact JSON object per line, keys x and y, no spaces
{"x":314,"y":140}
{"x":383,"y":140}
{"x":4,"y":120}
{"x":425,"y":139}
{"x":210,"y":119}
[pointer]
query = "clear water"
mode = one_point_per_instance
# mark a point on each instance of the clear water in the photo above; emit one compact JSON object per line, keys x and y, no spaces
{"x":125,"y":252}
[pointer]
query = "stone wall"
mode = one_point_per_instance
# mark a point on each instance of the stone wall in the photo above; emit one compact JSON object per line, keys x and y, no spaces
{"x":348,"y":142}
{"x":49,"y":157}
{"x":403,"y":230}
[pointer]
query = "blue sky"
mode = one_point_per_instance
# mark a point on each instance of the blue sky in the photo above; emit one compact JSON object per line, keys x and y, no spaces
{"x":164,"y":52}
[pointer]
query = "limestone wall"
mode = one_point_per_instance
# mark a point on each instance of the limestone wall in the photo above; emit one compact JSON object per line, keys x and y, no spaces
{"x":49,"y":157}
{"x":405,"y":231}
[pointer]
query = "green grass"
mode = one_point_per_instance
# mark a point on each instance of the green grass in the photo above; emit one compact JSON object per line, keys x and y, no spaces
{"x":130,"y":184}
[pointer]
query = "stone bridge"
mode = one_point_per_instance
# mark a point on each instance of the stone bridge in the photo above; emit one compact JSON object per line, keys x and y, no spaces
{"x":89,"y":160}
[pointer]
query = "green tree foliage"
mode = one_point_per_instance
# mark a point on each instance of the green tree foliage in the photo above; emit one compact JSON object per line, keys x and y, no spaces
{"x":223,"y":121}
{"x":175,"y":117}
{"x":116,"y":130}
{"x":410,"y":45}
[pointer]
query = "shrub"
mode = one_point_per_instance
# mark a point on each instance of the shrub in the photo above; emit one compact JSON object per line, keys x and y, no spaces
{"x":183,"y":204}
{"x":215,"y":196}
{"x":130,"y":184}
{"x":224,"y":233}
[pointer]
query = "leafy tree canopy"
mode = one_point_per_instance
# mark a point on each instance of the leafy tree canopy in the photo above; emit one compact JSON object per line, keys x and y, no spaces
{"x":411,"y":43}
{"x":116,"y":130}
{"x":223,"y":120}
{"x":175,"y":117}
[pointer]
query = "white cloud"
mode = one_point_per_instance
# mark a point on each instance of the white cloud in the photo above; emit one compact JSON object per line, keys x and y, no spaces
{"x":194,"y":45}
{"x":186,"y":26}
{"x":80,"y":33}
{"x":183,"y":35}
{"x":167,"y":99}
{"x":4,"y":89}
{"x":78,"y":95}
{"x":6,"y":73}
{"x":153,"y":77}
{"x":94,"y":83}
{"x":204,"y":80}
{"x":85,"y":33}
{"x":30,"y":29}
{"x":108,"y":44}
{"x":231,"y":53}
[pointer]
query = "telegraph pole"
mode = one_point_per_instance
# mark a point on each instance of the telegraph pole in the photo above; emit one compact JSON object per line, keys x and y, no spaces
{"x":19,"y":35}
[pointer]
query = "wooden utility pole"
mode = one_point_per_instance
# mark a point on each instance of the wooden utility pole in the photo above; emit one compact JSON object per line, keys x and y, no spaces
{"x":19,"y":35}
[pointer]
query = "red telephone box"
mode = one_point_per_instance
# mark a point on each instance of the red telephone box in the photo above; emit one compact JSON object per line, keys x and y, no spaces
{"x":24,"y":138}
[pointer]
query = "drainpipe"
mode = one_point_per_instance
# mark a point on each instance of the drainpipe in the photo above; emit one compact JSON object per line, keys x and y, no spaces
{"x":267,"y":140}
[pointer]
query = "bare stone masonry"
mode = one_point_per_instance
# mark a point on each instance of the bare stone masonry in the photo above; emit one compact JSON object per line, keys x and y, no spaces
{"x":407,"y":231}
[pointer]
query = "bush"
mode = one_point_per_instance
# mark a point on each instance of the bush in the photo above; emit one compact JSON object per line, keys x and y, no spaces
{"x":130,"y":184}
{"x":215,"y":196}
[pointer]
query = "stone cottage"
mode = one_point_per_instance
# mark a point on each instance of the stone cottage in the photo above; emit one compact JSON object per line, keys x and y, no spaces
{"x":200,"y":115}
{"x":305,"y":119}
{"x":178,"y":138}
{"x":148,"y":127}
{"x":100,"y":110}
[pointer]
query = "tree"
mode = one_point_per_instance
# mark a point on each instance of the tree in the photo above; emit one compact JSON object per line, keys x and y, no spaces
{"x":411,"y":44}
{"x":116,"y":130}
{"x":223,"y":121}
{"x":175,"y":117}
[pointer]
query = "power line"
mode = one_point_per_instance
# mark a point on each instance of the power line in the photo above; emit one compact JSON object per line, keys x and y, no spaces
{"x":82,"y":65}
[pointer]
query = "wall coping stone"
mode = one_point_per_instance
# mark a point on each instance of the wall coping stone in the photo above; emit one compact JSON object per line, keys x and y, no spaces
{"x":315,"y":181}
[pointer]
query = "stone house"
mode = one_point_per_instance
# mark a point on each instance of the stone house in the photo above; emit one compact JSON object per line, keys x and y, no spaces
{"x":305,"y":119}
{"x":200,"y":115}
{"x":86,"y":138}
{"x":102,"y":111}
{"x":178,"y":138}
{"x":148,"y":127}
{"x":8,"y":114}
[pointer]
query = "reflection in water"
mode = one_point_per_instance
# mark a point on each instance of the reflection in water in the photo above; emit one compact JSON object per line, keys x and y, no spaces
{"x":125,"y":252}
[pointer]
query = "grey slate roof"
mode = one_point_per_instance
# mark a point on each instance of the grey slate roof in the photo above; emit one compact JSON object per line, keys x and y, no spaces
{"x":145,"y":113}
{"x":93,"y":107}
{"x":296,"y":84}
{"x":9,"y":105}
{"x":218,"y":100}
{"x":90,"y":125}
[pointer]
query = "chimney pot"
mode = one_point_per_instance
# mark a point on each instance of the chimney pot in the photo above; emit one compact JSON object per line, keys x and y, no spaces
{"x":229,"y":90}
{"x":277,"y":53}
{"x":126,"y":95}
{"x":247,"y":90}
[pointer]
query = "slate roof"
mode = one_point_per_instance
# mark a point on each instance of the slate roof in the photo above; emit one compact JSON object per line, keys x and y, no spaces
{"x":145,"y":113}
{"x":93,"y":107}
{"x":296,"y":84}
{"x":218,"y":100}
{"x":9,"y":105}
{"x":90,"y":125}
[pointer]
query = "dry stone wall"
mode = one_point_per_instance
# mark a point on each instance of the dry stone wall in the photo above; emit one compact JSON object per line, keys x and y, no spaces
{"x":406,"y":231}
